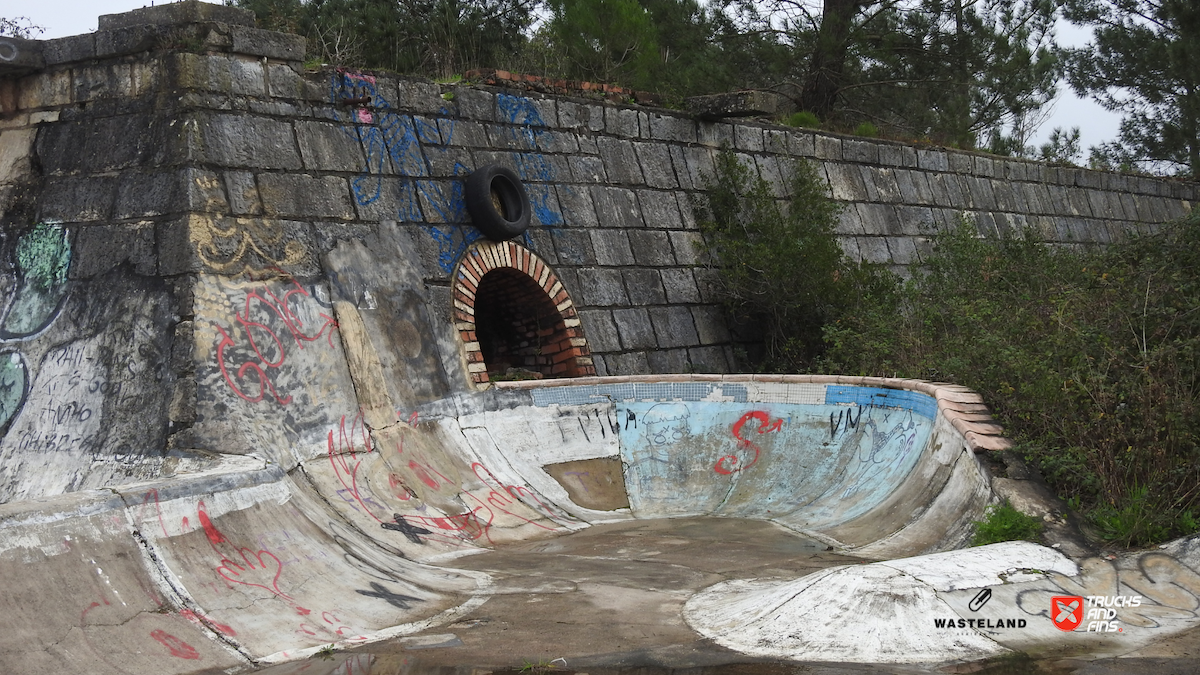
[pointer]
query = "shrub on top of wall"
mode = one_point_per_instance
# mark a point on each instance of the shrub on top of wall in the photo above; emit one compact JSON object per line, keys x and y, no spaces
{"x":778,"y":262}
{"x":1090,"y":359}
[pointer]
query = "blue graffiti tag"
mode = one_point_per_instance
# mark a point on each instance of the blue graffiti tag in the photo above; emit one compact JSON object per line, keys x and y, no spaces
{"x":388,"y":136}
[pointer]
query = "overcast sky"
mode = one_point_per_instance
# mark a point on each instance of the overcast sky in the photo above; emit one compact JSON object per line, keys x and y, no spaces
{"x":72,"y":17}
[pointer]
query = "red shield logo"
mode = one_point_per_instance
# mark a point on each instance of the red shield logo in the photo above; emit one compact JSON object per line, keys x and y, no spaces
{"x":1066,"y":611}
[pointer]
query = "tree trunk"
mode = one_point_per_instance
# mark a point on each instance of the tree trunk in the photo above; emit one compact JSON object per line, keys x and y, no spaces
{"x":828,"y":62}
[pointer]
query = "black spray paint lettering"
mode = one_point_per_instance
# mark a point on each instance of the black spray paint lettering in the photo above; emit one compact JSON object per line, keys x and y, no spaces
{"x":851,"y":420}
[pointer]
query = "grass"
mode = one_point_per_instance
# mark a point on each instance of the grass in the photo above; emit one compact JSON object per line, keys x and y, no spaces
{"x":1003,"y":522}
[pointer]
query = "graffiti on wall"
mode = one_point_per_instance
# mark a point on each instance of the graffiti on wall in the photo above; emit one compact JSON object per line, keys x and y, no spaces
{"x":264,"y":330}
{"x":43,"y":257}
{"x":400,"y":143}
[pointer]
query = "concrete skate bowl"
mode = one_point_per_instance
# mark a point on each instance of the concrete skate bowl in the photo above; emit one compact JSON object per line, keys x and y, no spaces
{"x":245,"y":564}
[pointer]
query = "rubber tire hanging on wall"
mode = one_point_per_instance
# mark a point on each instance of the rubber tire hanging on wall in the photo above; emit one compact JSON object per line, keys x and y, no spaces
{"x":497,"y":202}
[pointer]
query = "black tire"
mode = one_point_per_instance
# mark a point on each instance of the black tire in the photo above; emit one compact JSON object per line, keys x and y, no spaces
{"x":497,"y":202}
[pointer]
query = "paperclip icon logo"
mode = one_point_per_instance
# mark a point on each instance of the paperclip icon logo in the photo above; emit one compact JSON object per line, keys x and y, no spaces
{"x":1066,"y":611}
{"x":981,"y":598}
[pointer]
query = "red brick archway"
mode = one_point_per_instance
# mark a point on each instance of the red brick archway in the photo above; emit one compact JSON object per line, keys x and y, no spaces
{"x":512,"y":311}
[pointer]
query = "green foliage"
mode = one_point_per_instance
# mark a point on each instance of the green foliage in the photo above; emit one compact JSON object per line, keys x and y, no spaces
{"x":606,"y":40}
{"x":1002,"y":522}
{"x":436,"y":38}
{"x":1062,"y":147}
{"x":779,"y":265}
{"x":803,"y":119}
{"x":866,"y":129}
{"x":1090,"y":359}
{"x":1144,"y":61}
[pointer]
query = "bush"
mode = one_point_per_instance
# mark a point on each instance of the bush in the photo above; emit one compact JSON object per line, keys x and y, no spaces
{"x":803,"y":119}
{"x":779,"y":265}
{"x":1090,"y":359}
{"x":866,"y":129}
{"x":1002,"y":522}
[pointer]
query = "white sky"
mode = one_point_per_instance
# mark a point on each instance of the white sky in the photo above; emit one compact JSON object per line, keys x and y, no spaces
{"x":73,"y":17}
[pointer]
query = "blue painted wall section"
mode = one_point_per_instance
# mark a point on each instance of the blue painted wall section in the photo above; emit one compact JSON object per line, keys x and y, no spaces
{"x":401,"y":144}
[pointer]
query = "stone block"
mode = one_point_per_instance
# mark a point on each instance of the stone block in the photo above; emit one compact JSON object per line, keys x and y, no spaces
{"x":748,"y":138}
{"x":755,"y":103}
{"x":611,"y":247}
{"x":710,"y":325}
{"x":45,"y":90}
{"x":585,"y":169}
{"x":651,"y":248}
{"x":881,"y":184}
{"x":908,"y":188}
{"x":932,"y":160}
{"x":600,"y":330}
{"x":16,"y":149}
{"x":903,"y":250}
{"x":247,"y":77}
{"x":802,"y":143}
{"x":769,"y":170}
{"x":573,"y":115}
{"x":660,"y":210}
{"x":775,"y":141}
{"x":576,"y":204}
{"x":304,"y":196}
{"x":960,"y":162}
{"x":242,"y":192}
{"x":674,"y":327}
{"x":714,"y":134}
{"x":328,"y":147}
{"x":573,"y":247}
{"x":69,"y":49}
{"x":679,"y":285}
{"x":621,"y":121}
{"x":78,"y":198}
{"x":446,"y":162}
{"x":655,"y":160}
{"x":845,"y":182}
{"x":687,"y":210}
{"x":635,"y":329}
{"x":177,"y":13}
{"x":100,"y":248}
{"x":644,"y":287}
{"x":475,"y":104}
{"x":709,"y":360}
{"x":419,"y":96}
{"x":392,"y":198}
{"x":558,"y":141}
{"x":633,"y":363}
{"x":463,"y":133}
{"x":667,"y":361}
{"x":893,"y":154}
{"x":616,"y":207}
{"x":672,"y":128}
{"x":241,"y":141}
{"x":827,"y":147}
{"x":915,"y":220}
{"x":865,"y":152}
{"x":620,"y":161}
{"x":983,"y":166}
{"x":693,"y":166}
{"x":874,"y":250}
{"x":602,"y":287}
{"x":688,"y":246}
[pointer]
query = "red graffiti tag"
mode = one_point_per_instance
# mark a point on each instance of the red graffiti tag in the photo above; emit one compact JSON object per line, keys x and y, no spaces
{"x":214,"y":535}
{"x":344,"y":460}
{"x":729,"y":464}
{"x":208,"y":622}
{"x":259,"y":336}
{"x":257,"y":565}
{"x":179,"y":648}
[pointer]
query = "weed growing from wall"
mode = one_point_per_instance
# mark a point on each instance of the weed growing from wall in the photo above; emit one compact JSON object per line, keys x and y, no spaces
{"x":1002,"y":522}
{"x":1090,"y":359}
{"x":778,"y":262}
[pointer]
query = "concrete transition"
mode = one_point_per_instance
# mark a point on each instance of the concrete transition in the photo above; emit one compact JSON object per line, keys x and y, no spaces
{"x":248,"y":392}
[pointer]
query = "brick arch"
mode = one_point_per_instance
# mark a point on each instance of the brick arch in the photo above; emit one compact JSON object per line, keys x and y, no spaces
{"x":522,"y":298}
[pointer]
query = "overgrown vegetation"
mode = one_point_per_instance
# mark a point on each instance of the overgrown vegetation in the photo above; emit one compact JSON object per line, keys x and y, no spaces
{"x":1002,"y":522}
{"x":779,"y":266}
{"x":1089,"y":358}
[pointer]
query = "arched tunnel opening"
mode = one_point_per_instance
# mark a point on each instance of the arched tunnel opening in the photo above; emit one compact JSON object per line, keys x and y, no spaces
{"x":521,"y":332}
